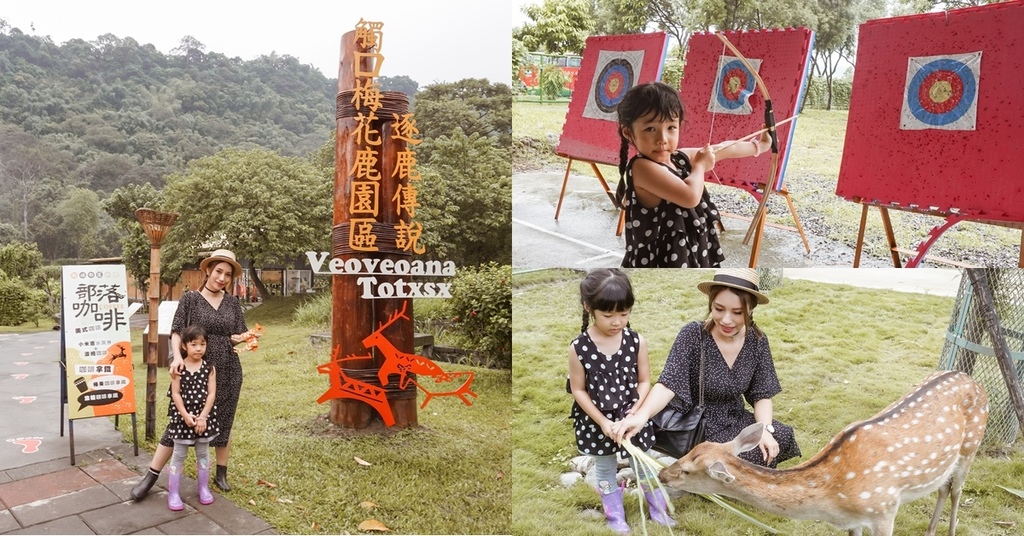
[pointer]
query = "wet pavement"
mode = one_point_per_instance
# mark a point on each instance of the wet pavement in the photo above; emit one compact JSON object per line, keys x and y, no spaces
{"x":584,"y":235}
{"x":42,"y":492}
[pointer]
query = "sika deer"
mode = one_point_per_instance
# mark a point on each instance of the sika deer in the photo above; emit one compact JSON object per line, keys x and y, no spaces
{"x":923,"y":442}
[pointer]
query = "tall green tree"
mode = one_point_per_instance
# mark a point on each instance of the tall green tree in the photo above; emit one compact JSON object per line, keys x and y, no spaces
{"x":265,"y":207}
{"x":557,"y":26}
{"x":80,"y":223}
{"x":615,"y":17}
{"x":466,"y":198}
{"x":835,"y":41}
{"x":472,"y":106}
{"x":399,"y":83}
{"x":25,"y":164}
{"x":121,"y":205}
{"x":751,"y":14}
{"x":674,"y":17}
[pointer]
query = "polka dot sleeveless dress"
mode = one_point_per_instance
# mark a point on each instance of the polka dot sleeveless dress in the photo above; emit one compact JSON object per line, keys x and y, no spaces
{"x":668,"y":235}
{"x":194,"y":387}
{"x":611,"y":382}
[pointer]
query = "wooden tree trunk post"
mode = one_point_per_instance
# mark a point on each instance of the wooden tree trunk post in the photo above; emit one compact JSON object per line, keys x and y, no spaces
{"x":155,"y":224}
{"x":354,"y":317}
{"x":987,"y":308}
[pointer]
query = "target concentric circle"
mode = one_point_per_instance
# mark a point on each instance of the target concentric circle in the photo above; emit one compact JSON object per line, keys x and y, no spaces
{"x":941,"y":92}
{"x":611,"y":85}
{"x":735,"y":84}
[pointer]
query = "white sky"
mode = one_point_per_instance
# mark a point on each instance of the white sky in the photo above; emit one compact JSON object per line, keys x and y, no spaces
{"x":426,"y":40}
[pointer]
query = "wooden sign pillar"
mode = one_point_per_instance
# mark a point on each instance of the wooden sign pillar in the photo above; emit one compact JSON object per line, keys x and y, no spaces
{"x":365,"y":218}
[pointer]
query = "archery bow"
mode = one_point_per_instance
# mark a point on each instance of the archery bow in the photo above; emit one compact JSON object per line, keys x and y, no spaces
{"x":769,"y":123}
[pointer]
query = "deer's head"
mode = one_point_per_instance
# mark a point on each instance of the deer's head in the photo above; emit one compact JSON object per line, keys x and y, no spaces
{"x":708,"y":467}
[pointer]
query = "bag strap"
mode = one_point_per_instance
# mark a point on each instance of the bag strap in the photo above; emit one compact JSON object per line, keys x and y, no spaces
{"x":700,"y":385}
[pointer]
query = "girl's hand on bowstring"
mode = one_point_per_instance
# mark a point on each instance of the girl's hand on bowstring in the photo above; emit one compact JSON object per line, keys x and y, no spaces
{"x":705,"y":157}
{"x":764,"y":143}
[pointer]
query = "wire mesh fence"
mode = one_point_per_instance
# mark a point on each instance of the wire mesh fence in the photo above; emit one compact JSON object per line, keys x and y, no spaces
{"x":969,"y":346}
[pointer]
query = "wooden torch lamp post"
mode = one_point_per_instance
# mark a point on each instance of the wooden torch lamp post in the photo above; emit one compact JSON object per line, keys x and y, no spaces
{"x":155,"y":224}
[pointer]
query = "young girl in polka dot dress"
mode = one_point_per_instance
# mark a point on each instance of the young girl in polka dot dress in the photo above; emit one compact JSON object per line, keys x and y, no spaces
{"x":609,"y":376}
{"x":192,"y":413}
{"x":670,"y":218}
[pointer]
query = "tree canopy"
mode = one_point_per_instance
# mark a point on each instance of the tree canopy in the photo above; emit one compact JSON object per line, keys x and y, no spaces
{"x":265,"y":207}
{"x":108,"y":113}
{"x":557,"y":26}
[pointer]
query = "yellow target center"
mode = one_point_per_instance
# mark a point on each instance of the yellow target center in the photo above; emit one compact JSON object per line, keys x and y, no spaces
{"x":734,"y":85}
{"x":613,"y":86}
{"x":941,"y":91}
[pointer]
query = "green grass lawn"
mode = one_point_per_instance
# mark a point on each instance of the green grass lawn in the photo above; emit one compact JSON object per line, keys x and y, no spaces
{"x":451,"y":475}
{"x":812,"y":174}
{"x":842,"y":354}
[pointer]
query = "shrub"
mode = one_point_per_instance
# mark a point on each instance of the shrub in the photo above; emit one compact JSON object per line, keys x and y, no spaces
{"x":817,"y":93}
{"x":481,"y":309}
{"x":19,"y":303}
{"x":315,"y":312}
{"x":552,"y":82}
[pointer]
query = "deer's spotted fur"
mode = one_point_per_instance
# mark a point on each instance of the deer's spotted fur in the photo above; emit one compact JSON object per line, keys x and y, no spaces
{"x":923,"y":442}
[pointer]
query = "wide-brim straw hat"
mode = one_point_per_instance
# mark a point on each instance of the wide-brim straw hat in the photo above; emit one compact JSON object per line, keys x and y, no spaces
{"x":745,"y":279}
{"x":222,"y":255}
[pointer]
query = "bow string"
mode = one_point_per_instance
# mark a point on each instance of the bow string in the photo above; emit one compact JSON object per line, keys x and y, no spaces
{"x":769,"y":123}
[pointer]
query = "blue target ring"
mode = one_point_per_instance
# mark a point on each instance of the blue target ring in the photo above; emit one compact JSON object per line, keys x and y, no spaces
{"x":924,"y":76}
{"x":732,"y":98}
{"x":615,"y":79}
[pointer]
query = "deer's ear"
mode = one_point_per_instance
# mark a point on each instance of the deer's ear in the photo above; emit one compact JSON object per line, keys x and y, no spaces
{"x":719,"y":472}
{"x":748,"y":438}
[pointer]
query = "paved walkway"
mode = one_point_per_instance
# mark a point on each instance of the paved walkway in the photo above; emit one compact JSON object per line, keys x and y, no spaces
{"x":41,"y":492}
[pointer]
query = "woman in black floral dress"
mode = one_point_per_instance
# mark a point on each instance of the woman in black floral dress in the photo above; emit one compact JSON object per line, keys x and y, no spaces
{"x":221,"y":315}
{"x":738,"y":366}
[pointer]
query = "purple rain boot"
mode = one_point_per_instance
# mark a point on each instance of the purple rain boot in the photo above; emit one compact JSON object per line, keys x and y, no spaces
{"x":203,"y":476}
{"x":614,"y":512}
{"x":173,"y":485}
{"x":658,"y":508}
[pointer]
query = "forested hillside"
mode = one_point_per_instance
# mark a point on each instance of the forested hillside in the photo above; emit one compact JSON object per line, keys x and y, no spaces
{"x":80,"y":119}
{"x":115,"y":96}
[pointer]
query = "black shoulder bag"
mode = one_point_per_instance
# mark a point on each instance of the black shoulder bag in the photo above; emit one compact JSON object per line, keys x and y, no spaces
{"x":675,"y":432}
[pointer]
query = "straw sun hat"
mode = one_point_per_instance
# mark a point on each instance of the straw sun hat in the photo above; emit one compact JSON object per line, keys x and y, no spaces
{"x":222,"y":255}
{"x":745,"y":279}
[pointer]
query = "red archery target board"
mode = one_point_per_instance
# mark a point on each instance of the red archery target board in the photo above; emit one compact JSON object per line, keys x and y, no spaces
{"x":611,"y":65}
{"x":934,"y":113}
{"x":722,"y":102}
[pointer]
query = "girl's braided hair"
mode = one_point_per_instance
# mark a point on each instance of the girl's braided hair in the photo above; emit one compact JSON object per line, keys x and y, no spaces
{"x":639,"y":101}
